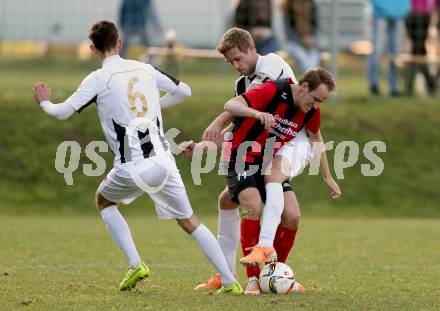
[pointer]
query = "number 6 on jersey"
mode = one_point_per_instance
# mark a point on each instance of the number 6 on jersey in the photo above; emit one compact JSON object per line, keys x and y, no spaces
{"x":132,"y":99}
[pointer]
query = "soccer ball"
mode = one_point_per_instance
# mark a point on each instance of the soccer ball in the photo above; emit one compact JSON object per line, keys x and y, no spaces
{"x":277,"y":278}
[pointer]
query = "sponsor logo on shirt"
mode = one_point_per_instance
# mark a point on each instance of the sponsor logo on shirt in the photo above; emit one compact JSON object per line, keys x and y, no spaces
{"x":284,"y":127}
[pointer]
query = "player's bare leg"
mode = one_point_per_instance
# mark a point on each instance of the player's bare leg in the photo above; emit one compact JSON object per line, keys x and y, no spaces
{"x":189,"y":224}
{"x":120,"y":233}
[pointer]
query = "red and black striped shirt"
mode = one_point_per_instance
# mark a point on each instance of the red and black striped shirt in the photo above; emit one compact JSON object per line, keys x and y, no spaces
{"x":274,"y":97}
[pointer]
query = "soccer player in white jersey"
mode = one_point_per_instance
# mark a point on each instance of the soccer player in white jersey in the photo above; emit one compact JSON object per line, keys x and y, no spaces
{"x":126,"y":94}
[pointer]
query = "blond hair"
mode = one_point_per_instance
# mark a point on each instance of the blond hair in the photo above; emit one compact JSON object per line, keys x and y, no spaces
{"x":235,"y":38}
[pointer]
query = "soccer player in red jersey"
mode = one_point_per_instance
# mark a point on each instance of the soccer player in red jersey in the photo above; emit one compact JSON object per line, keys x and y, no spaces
{"x":275,"y":111}
{"x":246,"y":189}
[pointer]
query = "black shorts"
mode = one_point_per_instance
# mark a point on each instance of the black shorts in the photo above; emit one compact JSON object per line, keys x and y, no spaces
{"x":237,"y":182}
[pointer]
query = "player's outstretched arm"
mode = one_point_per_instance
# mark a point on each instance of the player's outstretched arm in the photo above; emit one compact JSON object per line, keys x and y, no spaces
{"x":43,"y":96}
{"x":188,"y":148}
{"x":325,"y":170}
{"x":214,"y":130}
{"x":238,"y":107}
{"x":178,"y":95}
{"x":176,"y":91}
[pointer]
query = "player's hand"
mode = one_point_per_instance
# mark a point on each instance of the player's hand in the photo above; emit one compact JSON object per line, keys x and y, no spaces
{"x":334,"y":187}
{"x":212,"y":133}
{"x":41,"y":92}
{"x":187,"y":148}
{"x":266,"y":119}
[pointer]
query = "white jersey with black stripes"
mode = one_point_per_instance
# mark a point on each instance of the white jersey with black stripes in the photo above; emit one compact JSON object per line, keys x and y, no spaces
{"x":268,"y":67}
{"x":127,"y":96}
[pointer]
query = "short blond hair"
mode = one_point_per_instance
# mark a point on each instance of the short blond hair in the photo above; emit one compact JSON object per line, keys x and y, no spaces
{"x":235,"y":38}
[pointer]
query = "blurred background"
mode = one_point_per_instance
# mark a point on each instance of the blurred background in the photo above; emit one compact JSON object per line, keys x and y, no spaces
{"x":386,"y":64}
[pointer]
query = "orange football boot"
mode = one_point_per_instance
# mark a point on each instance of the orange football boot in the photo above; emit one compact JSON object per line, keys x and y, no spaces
{"x":259,"y":254}
{"x":214,"y":282}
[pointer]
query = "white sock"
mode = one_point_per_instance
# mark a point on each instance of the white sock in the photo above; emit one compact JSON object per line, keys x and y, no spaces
{"x":271,"y":213}
{"x":212,"y":250}
{"x":120,"y":232}
{"x":229,"y":235}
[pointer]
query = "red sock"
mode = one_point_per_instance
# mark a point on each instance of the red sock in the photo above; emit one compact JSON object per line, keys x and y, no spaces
{"x":249,"y":235}
{"x":283,"y":242}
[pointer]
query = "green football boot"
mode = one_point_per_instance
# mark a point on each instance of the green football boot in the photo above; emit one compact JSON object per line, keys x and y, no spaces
{"x":234,"y":289}
{"x":134,"y":275}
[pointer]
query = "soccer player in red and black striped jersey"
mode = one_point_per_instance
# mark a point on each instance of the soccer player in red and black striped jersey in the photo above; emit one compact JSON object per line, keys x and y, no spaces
{"x":274,"y":113}
{"x":274,"y":110}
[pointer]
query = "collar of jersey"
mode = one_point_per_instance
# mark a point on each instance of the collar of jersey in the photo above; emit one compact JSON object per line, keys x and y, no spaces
{"x":290,"y":98}
{"x":110,"y":59}
{"x":257,"y":66}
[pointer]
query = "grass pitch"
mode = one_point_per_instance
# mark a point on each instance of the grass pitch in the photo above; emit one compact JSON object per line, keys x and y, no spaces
{"x":70,"y":263}
{"x":64,"y":259}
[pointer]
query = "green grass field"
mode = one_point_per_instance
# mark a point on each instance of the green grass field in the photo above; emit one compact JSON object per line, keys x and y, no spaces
{"x":69,"y":263}
{"x":374,"y":249}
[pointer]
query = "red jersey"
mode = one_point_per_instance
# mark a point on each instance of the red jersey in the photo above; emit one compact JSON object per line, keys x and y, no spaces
{"x":274,"y":97}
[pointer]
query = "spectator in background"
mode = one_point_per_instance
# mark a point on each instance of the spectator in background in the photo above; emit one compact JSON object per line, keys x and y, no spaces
{"x":135,"y":16}
{"x":256,"y":17}
{"x":417,"y":26}
{"x":388,"y":20}
{"x":300,"y":26}
{"x":437,"y":17}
